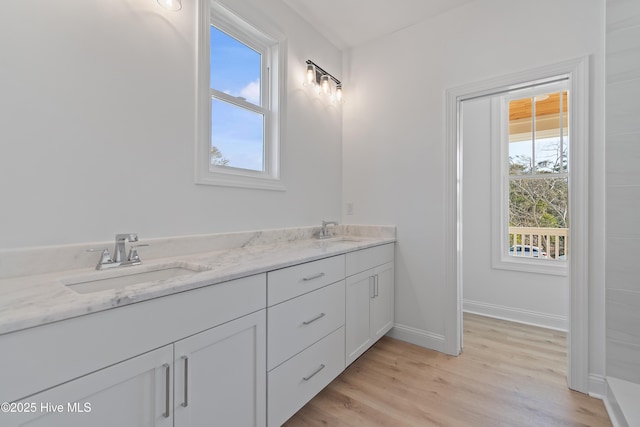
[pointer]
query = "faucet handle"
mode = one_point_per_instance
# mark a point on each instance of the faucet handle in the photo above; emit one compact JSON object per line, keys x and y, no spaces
{"x":105,"y":257}
{"x":133,"y":253}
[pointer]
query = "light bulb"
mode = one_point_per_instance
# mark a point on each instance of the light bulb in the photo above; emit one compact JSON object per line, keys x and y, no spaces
{"x":173,"y":5}
{"x":338,"y":97}
{"x":325,"y":86}
{"x":310,"y":79}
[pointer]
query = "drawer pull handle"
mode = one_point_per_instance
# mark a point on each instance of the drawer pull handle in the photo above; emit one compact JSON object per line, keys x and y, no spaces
{"x":185,"y":403}
{"x":167,"y":400}
{"x":315,"y":276}
{"x":314,"y":374}
{"x":318,"y":317}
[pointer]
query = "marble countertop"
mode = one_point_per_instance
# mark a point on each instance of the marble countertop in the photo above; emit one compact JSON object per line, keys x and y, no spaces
{"x":34,"y":300}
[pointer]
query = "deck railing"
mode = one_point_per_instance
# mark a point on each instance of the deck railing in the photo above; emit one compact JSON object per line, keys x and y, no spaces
{"x":554,"y":241}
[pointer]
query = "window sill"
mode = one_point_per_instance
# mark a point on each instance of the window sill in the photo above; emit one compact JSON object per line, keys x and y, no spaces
{"x":531,"y":265}
{"x":223,"y":179}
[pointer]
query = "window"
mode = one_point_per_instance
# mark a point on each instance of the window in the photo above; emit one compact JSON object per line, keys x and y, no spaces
{"x":533,"y":178}
{"x":538,"y":176}
{"x":239,"y":104}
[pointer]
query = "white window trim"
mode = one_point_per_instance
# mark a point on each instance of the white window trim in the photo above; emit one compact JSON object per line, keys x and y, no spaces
{"x":500,"y":259}
{"x":271,"y":42}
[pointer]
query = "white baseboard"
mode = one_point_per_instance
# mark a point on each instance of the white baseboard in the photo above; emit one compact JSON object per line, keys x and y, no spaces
{"x":534,"y":318}
{"x":597,"y":386}
{"x":418,"y":337}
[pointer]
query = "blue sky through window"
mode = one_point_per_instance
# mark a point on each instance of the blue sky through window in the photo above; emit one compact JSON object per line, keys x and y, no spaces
{"x":237,"y":133}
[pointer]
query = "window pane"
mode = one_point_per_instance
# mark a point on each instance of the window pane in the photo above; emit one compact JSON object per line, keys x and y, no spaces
{"x":237,"y":136}
{"x":548,"y":155}
{"x":538,"y":216}
{"x":544,"y":150}
{"x":549,"y":125}
{"x":520,"y":157}
{"x":520,"y":137}
{"x":235,"y":67}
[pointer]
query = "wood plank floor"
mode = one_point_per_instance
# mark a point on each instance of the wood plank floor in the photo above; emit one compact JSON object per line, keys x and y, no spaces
{"x":508,"y":375}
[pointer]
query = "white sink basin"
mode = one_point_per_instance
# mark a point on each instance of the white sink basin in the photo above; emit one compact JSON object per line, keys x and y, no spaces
{"x":127,"y":276}
{"x":345,"y":239}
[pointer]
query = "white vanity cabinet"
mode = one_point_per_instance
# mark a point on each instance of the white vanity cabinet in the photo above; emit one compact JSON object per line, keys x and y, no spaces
{"x":369,"y":298}
{"x":220,"y":375}
{"x":220,"y":379}
{"x":136,"y":392}
{"x":189,"y":359}
{"x":305,"y":349}
{"x":249,"y":352}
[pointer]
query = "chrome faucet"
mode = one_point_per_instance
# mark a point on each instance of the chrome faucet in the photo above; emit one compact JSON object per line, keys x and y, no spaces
{"x":119,"y":259}
{"x":119,"y":251}
{"x":324,"y":233}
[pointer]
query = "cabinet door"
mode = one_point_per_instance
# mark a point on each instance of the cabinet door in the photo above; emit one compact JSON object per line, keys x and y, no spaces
{"x":221,"y":375}
{"x":383,"y":302}
{"x":137,"y":392}
{"x":359,"y":293}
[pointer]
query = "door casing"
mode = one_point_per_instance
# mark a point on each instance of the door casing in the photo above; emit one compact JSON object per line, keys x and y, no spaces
{"x":577,"y":72}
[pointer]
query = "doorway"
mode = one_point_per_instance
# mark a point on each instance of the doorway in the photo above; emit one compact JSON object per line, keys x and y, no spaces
{"x":515,"y":243}
{"x":575,"y":73}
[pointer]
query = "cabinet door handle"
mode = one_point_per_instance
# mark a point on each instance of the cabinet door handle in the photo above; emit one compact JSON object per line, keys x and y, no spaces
{"x":314,"y":373}
{"x":167,"y":391}
{"x":318,"y":317}
{"x":315,"y":276}
{"x":185,"y":403}
{"x":377,"y":287}
{"x":372,"y":287}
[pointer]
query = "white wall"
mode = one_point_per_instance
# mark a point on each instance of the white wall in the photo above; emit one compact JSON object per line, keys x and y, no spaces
{"x":97,"y":126}
{"x":394,"y":144}
{"x":623,"y":190}
{"x":539,"y":299}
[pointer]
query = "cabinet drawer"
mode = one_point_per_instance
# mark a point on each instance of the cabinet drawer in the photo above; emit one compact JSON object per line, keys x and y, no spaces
{"x":296,"y":324}
{"x":290,"y":282}
{"x":295,"y":382}
{"x":365,"y":259}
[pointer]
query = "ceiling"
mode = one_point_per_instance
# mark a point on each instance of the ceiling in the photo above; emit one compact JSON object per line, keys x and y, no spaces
{"x":349,"y":23}
{"x":547,"y":122}
{"x":545,"y":105}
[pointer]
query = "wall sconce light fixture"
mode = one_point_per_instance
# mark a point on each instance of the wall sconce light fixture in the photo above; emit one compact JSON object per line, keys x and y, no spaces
{"x":325,"y":86}
{"x":339,"y":98}
{"x":316,"y":76}
{"x":173,"y":5}
{"x":310,"y":78}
